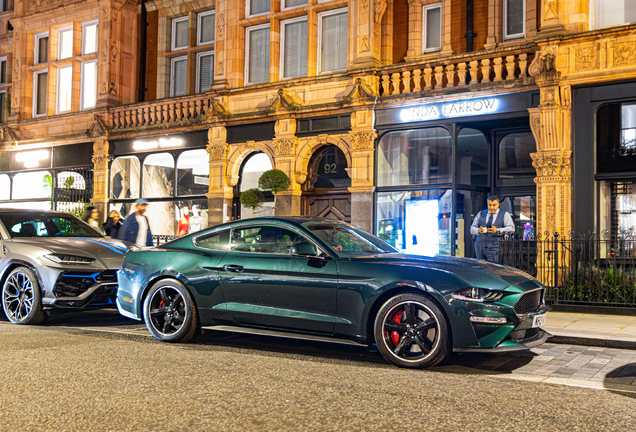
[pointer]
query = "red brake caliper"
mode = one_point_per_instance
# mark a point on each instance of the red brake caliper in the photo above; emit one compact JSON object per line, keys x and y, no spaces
{"x":161,"y":304}
{"x":395,"y":336}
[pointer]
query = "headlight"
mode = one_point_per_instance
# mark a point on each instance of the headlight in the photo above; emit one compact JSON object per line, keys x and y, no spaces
{"x":477,"y":295}
{"x":69,"y":259}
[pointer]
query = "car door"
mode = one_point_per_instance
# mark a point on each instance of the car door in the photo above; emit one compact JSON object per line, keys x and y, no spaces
{"x":265,"y":285}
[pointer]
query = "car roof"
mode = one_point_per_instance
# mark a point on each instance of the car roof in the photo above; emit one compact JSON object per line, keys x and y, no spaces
{"x":22,"y":211}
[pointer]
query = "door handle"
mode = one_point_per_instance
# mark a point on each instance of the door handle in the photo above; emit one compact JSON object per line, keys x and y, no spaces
{"x":233,"y":268}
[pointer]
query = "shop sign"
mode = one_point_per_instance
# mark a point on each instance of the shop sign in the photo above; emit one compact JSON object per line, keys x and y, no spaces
{"x":160,"y":143}
{"x":449,"y":110}
{"x":32,"y":159}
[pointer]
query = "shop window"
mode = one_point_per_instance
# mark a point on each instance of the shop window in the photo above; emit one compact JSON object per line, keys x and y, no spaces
{"x":5,"y":187}
{"x":158,"y":177}
{"x":253,"y":168}
{"x":64,"y":89}
{"x":124,"y":178}
{"x":166,"y":217}
{"x":41,"y":51}
{"x":193,"y":173}
{"x":32,"y":185}
{"x":617,"y":206}
{"x":421,"y":156}
{"x":524,"y":215}
{"x":3,"y":103}
{"x":329,"y":169}
{"x":3,"y":70}
{"x":71,"y":180}
{"x":292,"y":4}
{"x":40,"y":87}
{"x":514,"y":155}
{"x":89,"y":37}
{"x":205,"y":71}
{"x":333,"y":37}
{"x":472,"y":158}
{"x":432,"y":27}
{"x":179,"y":76}
{"x":65,"y":43}
{"x":88,"y":97}
{"x":205,"y":28}
{"x":514,"y":19}
{"x":616,"y":138}
{"x":607,"y":13}
{"x":294,"y":43}
{"x":179,"y":33}
{"x":257,"y":7}
{"x":257,"y":41}
{"x":31,"y":205}
{"x":416,"y":222}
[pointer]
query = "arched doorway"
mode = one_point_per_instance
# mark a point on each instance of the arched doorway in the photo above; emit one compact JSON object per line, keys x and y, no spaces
{"x":251,"y":170}
{"x":326,"y":191}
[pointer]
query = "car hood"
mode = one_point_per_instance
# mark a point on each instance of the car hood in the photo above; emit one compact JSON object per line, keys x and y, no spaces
{"x":477,"y":273}
{"x":107,"y":251}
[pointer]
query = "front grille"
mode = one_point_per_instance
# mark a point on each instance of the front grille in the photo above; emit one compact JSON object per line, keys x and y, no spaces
{"x":520,"y":336}
{"x":529,"y":302}
{"x":73,"y":284}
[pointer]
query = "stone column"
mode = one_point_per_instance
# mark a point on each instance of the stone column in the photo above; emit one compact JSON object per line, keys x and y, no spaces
{"x":550,"y":14}
{"x":365,"y":33}
{"x":109,"y":63}
{"x":362,"y":138}
{"x":100,"y":176}
{"x":286,"y":146}
{"x":220,"y":194}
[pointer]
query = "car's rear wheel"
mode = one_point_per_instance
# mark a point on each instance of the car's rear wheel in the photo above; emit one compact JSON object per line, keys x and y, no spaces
{"x":170,"y":313}
{"x":412,"y":331}
{"x":22,"y":298}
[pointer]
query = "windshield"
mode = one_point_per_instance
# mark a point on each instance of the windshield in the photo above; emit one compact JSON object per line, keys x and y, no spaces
{"x":30,"y":224}
{"x":348,"y":240}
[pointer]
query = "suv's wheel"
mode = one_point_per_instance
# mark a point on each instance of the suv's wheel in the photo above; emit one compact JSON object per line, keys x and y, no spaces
{"x":22,"y":298}
{"x":411,"y":331}
{"x":170,"y":313}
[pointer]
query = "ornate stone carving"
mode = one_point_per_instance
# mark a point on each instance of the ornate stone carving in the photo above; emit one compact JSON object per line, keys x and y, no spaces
{"x":220,"y":25}
{"x":8,"y":135}
{"x":550,"y":208}
{"x":284,"y":146}
{"x":217,"y":153}
{"x":359,"y":92}
{"x":98,"y":128}
{"x":624,"y":53}
{"x":380,"y":8}
{"x":364,"y":43}
{"x":219,"y":68}
{"x":586,"y":58}
{"x":114,"y":51}
{"x":100,"y":162}
{"x":365,"y":5}
{"x":552,"y":164}
{"x":217,"y":110}
{"x":551,"y":10}
{"x":363,"y":140}
{"x":287,"y":100}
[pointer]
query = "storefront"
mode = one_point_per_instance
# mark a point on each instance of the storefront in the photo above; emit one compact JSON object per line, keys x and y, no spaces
{"x":171,"y":171}
{"x":437,"y":163}
{"x":49,"y":178}
{"x":605,"y":126}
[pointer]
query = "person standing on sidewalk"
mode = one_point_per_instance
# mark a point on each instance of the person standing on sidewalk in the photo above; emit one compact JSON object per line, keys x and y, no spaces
{"x":488,"y":225}
{"x":136,"y":228}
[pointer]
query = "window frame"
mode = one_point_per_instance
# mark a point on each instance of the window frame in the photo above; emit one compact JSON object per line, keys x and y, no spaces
{"x":425,"y":10}
{"x":36,"y":89}
{"x":198,"y":65}
{"x":36,"y":47}
{"x":3,"y":110}
{"x":57,"y":92}
{"x":173,"y":38}
{"x":200,"y":17}
{"x":87,"y":24}
{"x":82,"y":81}
{"x":248,"y":12}
{"x":282,"y":46}
{"x":284,"y":6}
{"x":172,"y":68}
{"x":3,"y":60}
{"x":59,"y":40}
{"x":521,"y":35}
{"x":248,"y":30}
{"x":321,"y":15}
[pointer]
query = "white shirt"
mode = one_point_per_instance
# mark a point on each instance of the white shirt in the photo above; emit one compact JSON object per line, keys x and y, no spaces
{"x":508,"y":228}
{"x":142,"y":234}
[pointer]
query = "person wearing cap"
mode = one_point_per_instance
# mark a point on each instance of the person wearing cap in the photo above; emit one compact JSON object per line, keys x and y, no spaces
{"x":136,"y":228}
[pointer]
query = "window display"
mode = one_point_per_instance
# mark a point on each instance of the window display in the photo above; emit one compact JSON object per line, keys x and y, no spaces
{"x":124,"y":177}
{"x":32,"y":185}
{"x":193,"y":173}
{"x":472,"y":158}
{"x":514,"y":155}
{"x":5,"y":187}
{"x":170,"y":218}
{"x":158,"y":180}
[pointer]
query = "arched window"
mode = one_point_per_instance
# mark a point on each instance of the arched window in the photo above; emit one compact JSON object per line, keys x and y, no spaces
{"x":514,"y":155}
{"x":472,"y":158}
{"x":70,"y":180}
{"x":124,"y":177}
{"x":193,"y":173}
{"x":328,"y":169}
{"x":31,"y":185}
{"x":253,"y":168}
{"x":158,"y":180}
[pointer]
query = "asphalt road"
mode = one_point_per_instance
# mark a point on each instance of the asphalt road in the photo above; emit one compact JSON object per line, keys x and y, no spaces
{"x":98,"y":372}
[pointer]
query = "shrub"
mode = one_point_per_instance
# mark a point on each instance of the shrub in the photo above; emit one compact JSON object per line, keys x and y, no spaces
{"x":274,"y":180}
{"x":252,"y":198}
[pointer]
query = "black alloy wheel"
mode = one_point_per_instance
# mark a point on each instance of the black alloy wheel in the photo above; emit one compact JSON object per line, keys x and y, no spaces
{"x":21,"y":297}
{"x":412,"y":331}
{"x":170,"y":313}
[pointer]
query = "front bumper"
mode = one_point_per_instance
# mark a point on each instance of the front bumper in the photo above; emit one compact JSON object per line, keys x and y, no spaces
{"x":540,"y":338}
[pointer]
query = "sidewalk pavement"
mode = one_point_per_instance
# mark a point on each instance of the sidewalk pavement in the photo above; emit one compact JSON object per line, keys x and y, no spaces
{"x":610,"y":331}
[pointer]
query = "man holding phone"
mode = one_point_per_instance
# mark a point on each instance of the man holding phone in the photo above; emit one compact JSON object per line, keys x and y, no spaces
{"x":488,"y":225}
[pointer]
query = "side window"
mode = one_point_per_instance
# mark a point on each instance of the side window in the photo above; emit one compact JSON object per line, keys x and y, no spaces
{"x":218,"y":240}
{"x":264,"y":239}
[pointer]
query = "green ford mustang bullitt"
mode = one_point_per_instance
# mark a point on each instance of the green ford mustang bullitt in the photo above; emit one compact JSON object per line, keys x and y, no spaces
{"x":324,"y":277}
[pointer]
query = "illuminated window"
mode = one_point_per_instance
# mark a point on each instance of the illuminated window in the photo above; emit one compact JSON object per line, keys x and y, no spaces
{"x":158,"y":176}
{"x":124,"y":177}
{"x":88,"y":96}
{"x":65,"y":43}
{"x":193,"y":173}
{"x":64,"y":89}
{"x":40,"y":87}
{"x":607,"y":13}
{"x":89,"y":37}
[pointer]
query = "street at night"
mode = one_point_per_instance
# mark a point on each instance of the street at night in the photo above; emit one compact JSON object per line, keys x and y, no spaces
{"x":99,"y":371}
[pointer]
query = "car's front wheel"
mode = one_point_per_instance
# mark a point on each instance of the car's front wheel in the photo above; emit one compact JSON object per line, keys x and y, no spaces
{"x":22,"y":298}
{"x":170,"y":312}
{"x":412,"y":331}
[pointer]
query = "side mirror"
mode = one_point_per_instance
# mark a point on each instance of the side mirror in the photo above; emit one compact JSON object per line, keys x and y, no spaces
{"x":304,"y":249}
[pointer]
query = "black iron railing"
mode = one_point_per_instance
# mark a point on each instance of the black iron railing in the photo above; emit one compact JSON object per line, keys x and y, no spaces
{"x":595,"y":270}
{"x":161,"y":239}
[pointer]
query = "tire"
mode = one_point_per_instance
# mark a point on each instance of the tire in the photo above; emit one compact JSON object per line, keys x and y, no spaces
{"x":411,"y":331}
{"x":170,"y":313}
{"x":22,"y":297}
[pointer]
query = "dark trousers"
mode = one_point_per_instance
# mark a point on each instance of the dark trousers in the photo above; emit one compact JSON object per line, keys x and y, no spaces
{"x":488,"y":251}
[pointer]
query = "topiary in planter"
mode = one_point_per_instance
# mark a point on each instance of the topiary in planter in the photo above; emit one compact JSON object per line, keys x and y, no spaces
{"x":274,"y":180}
{"x":252,"y":198}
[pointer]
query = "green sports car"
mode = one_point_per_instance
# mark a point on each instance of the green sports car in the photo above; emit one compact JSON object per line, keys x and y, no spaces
{"x":318,"y":276}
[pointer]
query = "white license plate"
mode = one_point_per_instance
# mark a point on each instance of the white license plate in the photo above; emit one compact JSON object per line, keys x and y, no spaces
{"x":538,"y":320}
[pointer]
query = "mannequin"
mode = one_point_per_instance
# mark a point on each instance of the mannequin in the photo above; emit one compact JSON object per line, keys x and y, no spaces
{"x":184,"y":222}
{"x":196,"y":221}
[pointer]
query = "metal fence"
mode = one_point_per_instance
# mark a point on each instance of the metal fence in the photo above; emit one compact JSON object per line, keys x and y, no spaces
{"x":579,"y":270}
{"x":161,"y":239}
